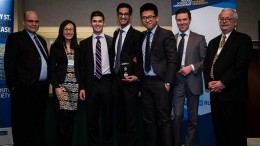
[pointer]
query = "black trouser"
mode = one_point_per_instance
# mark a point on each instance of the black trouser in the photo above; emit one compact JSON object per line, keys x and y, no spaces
{"x":126,"y":109}
{"x":100,"y":99}
{"x":28,"y":105}
{"x":157,"y":105}
{"x":229,"y":120}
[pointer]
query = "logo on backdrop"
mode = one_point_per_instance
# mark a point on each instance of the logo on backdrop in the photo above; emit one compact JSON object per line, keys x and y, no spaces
{"x":183,"y":3}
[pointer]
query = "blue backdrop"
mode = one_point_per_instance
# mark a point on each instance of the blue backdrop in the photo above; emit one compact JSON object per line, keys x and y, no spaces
{"x":6,"y":28}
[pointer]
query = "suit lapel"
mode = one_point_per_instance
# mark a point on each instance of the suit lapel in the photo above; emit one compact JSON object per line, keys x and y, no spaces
{"x":90,"y":43}
{"x":156,"y":34}
{"x":190,"y":43}
{"x":127,"y":38}
{"x":31,"y":42}
{"x":227,"y":44}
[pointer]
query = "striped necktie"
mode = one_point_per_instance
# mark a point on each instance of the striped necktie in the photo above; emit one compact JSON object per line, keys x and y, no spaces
{"x":44,"y":54}
{"x":98,"y":58}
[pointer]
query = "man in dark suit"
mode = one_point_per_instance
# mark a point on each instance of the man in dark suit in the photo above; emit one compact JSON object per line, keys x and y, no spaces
{"x":96,"y":81}
{"x":127,"y":69}
{"x":25,"y":63}
{"x":191,"y":51}
{"x":226,"y":77}
{"x":160,"y":63}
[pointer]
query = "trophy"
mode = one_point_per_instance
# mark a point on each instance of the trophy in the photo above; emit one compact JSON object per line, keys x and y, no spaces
{"x":125,"y":69}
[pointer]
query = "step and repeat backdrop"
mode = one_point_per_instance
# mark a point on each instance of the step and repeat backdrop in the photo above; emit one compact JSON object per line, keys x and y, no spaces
{"x":6,"y":28}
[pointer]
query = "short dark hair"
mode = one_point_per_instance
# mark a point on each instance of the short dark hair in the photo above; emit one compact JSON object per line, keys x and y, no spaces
{"x":124,"y":5}
{"x":149,"y":6}
{"x":97,"y":13}
{"x":183,"y":10}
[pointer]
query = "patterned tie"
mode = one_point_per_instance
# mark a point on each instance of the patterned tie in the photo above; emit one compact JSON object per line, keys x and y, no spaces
{"x":147,"y":64}
{"x":40,"y":48}
{"x":98,"y":58}
{"x":216,"y":56}
{"x":119,"y":47}
{"x":181,"y":48}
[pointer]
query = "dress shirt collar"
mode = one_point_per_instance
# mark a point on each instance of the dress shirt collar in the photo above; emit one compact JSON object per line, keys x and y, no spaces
{"x":95,"y":35}
{"x":187,"y":33}
{"x":125,"y":29}
{"x":31,"y":34}
{"x":227,"y":35}
{"x":154,"y":29}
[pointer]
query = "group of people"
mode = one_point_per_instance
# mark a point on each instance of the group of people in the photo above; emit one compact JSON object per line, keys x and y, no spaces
{"x":110,"y":73}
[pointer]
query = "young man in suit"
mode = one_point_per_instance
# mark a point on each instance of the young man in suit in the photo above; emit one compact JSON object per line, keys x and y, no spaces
{"x":226,"y":77}
{"x":191,"y":51}
{"x":127,"y":70}
{"x":26,"y":67}
{"x":96,"y":81}
{"x":160,"y":64}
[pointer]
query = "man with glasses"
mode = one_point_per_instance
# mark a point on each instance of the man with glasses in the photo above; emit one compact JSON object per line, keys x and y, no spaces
{"x":127,"y":70}
{"x":225,"y":72}
{"x":25,"y":62}
{"x":160,"y":63}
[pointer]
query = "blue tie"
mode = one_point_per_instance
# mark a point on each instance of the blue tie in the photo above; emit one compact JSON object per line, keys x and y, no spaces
{"x":148,"y":52}
{"x":40,"y":48}
{"x":98,"y":58}
{"x":181,"y":48}
{"x":119,"y":46}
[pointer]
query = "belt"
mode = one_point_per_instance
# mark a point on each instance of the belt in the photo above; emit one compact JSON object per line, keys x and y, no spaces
{"x":152,"y":77}
{"x":103,"y":77}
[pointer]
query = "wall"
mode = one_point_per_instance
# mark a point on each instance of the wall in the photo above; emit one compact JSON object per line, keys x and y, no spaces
{"x":52,"y":13}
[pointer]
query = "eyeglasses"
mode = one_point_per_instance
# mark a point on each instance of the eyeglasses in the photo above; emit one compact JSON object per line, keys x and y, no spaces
{"x":144,"y":18}
{"x":225,"y":19}
{"x":123,"y":14}
{"x":69,"y":29}
{"x":33,"y":21}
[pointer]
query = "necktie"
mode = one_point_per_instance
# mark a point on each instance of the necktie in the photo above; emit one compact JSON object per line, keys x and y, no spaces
{"x":181,"y":48}
{"x":148,"y":53}
{"x":98,"y":58}
{"x":119,"y":46}
{"x":40,"y":48}
{"x":216,"y":56}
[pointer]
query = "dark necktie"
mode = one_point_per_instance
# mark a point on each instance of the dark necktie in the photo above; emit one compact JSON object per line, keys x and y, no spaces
{"x":147,"y":53}
{"x":40,"y":48}
{"x":119,"y":46}
{"x":181,"y":48}
{"x":98,"y":58}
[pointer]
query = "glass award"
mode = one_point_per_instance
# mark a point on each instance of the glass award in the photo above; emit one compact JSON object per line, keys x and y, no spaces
{"x":125,"y":69}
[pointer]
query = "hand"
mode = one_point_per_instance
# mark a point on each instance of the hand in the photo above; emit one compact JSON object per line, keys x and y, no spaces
{"x":59,"y":94}
{"x":135,"y":60}
{"x":130,"y":78}
{"x":185,"y":70}
{"x":216,"y":86}
{"x":82,"y":94}
{"x":167,"y":87}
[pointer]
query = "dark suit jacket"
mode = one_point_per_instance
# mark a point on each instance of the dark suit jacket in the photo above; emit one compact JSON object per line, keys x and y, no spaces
{"x":164,"y":57}
{"x":131,"y":49}
{"x":87,"y":62}
{"x":58,"y":65}
{"x":195,"y":54}
{"x":22,"y":61}
{"x":231,"y":66}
